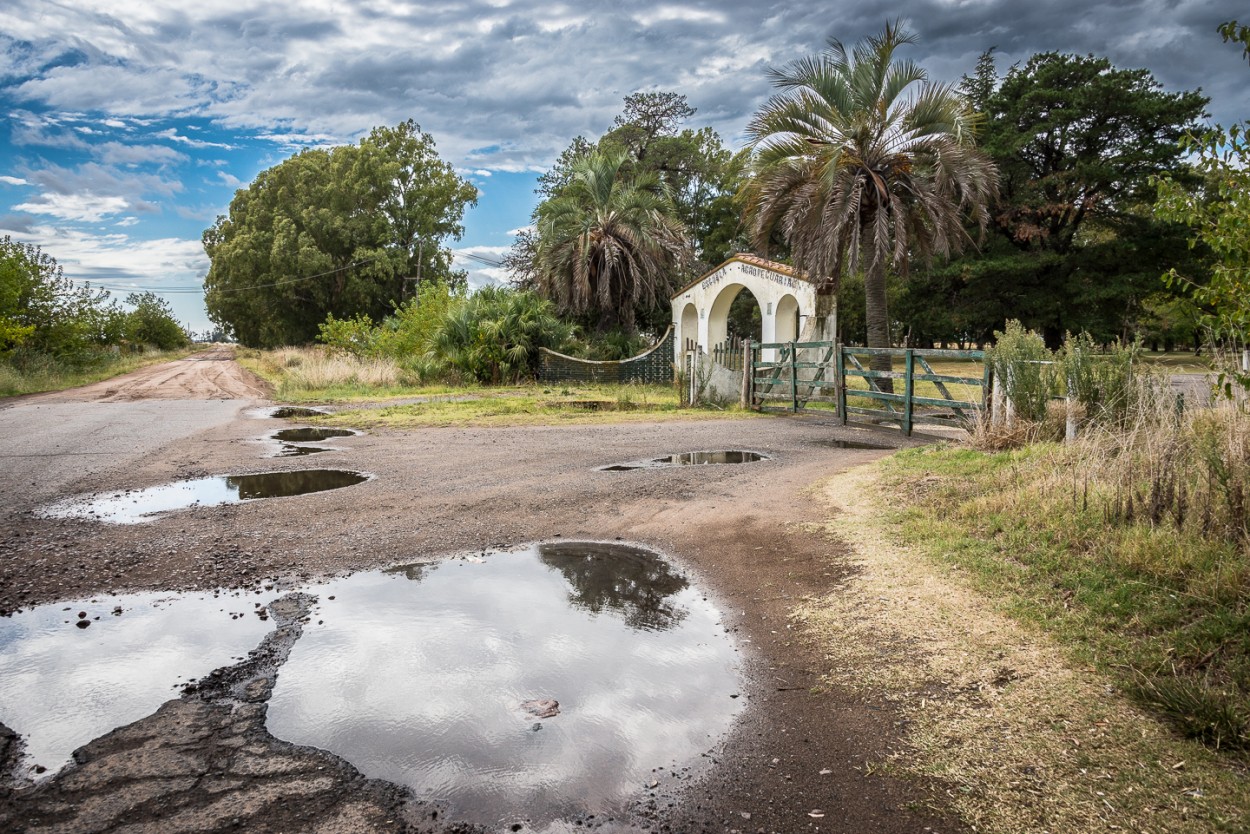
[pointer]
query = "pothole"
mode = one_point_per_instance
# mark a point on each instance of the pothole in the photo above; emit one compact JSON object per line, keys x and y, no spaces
{"x":62,"y":684}
{"x":690,"y":459}
{"x":851,"y":444}
{"x":290,"y":450}
{"x":539,"y":684}
{"x":140,"y":505}
{"x":309,"y":434}
{"x":295,"y":412}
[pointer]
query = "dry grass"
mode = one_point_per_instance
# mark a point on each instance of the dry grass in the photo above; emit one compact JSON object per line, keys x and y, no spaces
{"x":1019,"y":738}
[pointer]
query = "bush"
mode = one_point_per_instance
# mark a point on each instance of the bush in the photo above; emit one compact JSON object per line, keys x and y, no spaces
{"x":494,"y":335}
{"x":1025,"y":369}
{"x":1102,"y":382}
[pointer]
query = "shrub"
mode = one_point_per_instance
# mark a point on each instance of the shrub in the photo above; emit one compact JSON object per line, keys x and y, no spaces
{"x":494,"y":335}
{"x":1025,"y":369}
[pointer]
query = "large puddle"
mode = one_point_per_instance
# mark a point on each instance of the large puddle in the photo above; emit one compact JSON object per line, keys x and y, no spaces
{"x":533,"y":687}
{"x":139,"y":505}
{"x":62,"y":685}
{"x":421,"y":675}
{"x":691,"y":459}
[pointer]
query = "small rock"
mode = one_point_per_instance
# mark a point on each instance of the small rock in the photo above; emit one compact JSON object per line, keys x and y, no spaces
{"x":83,"y":623}
{"x":542,"y":707}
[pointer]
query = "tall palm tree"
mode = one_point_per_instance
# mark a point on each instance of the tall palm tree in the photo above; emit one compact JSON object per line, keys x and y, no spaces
{"x":862,"y":164}
{"x":607,"y":242}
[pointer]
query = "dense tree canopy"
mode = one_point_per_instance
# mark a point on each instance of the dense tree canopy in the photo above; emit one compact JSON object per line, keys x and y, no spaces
{"x":43,"y":312}
{"x":1075,"y":245}
{"x":699,"y":175}
{"x":864,"y":164}
{"x":1217,"y":214}
{"x":344,"y":231}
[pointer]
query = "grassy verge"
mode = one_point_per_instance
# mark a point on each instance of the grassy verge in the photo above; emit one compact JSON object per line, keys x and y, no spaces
{"x":50,"y":376}
{"x":532,"y":405}
{"x":1006,"y":634}
{"x":390,"y":397}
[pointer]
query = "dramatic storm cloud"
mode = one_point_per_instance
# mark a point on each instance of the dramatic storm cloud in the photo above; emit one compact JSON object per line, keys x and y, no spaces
{"x":130,"y":123}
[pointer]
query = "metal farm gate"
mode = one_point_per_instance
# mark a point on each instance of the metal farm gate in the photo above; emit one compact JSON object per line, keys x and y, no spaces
{"x":791,"y":376}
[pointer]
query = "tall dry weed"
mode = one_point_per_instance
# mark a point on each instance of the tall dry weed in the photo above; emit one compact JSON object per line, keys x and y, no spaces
{"x":314,"y":369}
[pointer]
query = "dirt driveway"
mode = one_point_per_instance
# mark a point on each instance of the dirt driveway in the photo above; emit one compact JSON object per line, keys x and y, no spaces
{"x":800,"y":759}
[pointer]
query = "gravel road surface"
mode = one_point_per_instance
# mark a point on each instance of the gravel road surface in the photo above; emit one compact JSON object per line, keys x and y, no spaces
{"x":204,"y":762}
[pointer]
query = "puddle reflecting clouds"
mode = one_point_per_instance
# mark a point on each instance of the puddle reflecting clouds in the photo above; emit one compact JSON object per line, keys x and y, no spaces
{"x":419,"y":673}
{"x":141,"y":505}
{"x":61,"y":686}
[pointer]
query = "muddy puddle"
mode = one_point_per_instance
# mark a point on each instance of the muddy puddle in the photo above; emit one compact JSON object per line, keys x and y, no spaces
{"x":61,"y":685}
{"x":438,"y":677}
{"x":851,"y":444}
{"x":690,"y":459}
{"x":294,"y":412}
{"x":141,"y":505}
{"x":525,"y":689}
{"x":311,"y":434}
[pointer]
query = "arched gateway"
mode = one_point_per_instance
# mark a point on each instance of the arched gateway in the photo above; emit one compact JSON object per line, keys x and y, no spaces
{"x":790,"y":308}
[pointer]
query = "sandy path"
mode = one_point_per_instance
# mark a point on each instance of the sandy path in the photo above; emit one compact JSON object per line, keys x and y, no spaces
{"x":210,"y":375}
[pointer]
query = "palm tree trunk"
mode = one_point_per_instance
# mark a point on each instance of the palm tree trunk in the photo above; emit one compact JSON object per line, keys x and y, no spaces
{"x":877,"y":318}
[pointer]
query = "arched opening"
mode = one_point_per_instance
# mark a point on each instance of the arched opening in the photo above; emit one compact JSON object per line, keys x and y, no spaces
{"x":688,"y":332}
{"x":736,"y":313}
{"x":787,"y":319}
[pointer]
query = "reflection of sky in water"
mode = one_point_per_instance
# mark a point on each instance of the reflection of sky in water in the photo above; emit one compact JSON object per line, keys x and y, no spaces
{"x":140,"y":505}
{"x":417,"y":679}
{"x":62,"y":686}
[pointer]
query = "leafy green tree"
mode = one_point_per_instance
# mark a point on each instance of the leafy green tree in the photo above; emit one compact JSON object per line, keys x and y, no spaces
{"x":152,"y":322}
{"x":343,"y":231}
{"x":608,"y":244}
{"x":1217,"y":215}
{"x":863,"y":164}
{"x":702,"y":177}
{"x":44,"y":313}
{"x":1077,"y":142}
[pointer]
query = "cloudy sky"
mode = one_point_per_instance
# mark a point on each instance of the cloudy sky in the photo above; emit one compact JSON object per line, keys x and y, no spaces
{"x":128,"y":126}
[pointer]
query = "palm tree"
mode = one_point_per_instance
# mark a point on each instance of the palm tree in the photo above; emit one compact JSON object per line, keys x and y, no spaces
{"x":862,"y":164}
{"x":608,"y":243}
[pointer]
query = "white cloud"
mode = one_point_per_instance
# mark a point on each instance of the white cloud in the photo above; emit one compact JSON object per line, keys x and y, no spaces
{"x":13,"y":180}
{"x":81,"y":208}
{"x":173,"y":135}
{"x":229,"y":179}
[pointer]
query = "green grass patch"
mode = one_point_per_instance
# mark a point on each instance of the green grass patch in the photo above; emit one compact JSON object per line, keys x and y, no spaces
{"x":531,"y":405}
{"x":50,"y":375}
{"x":1164,"y":607}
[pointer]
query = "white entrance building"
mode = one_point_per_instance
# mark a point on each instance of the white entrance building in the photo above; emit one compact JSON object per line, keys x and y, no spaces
{"x":788,"y":305}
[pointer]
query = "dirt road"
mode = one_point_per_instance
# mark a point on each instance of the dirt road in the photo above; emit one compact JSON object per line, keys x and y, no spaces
{"x":50,"y":442}
{"x":795,"y":762}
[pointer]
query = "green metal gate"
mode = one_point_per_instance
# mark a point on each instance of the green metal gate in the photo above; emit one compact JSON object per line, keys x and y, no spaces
{"x":792,"y":375}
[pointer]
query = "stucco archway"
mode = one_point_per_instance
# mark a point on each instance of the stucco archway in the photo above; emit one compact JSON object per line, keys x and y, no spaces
{"x":788,"y":304}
